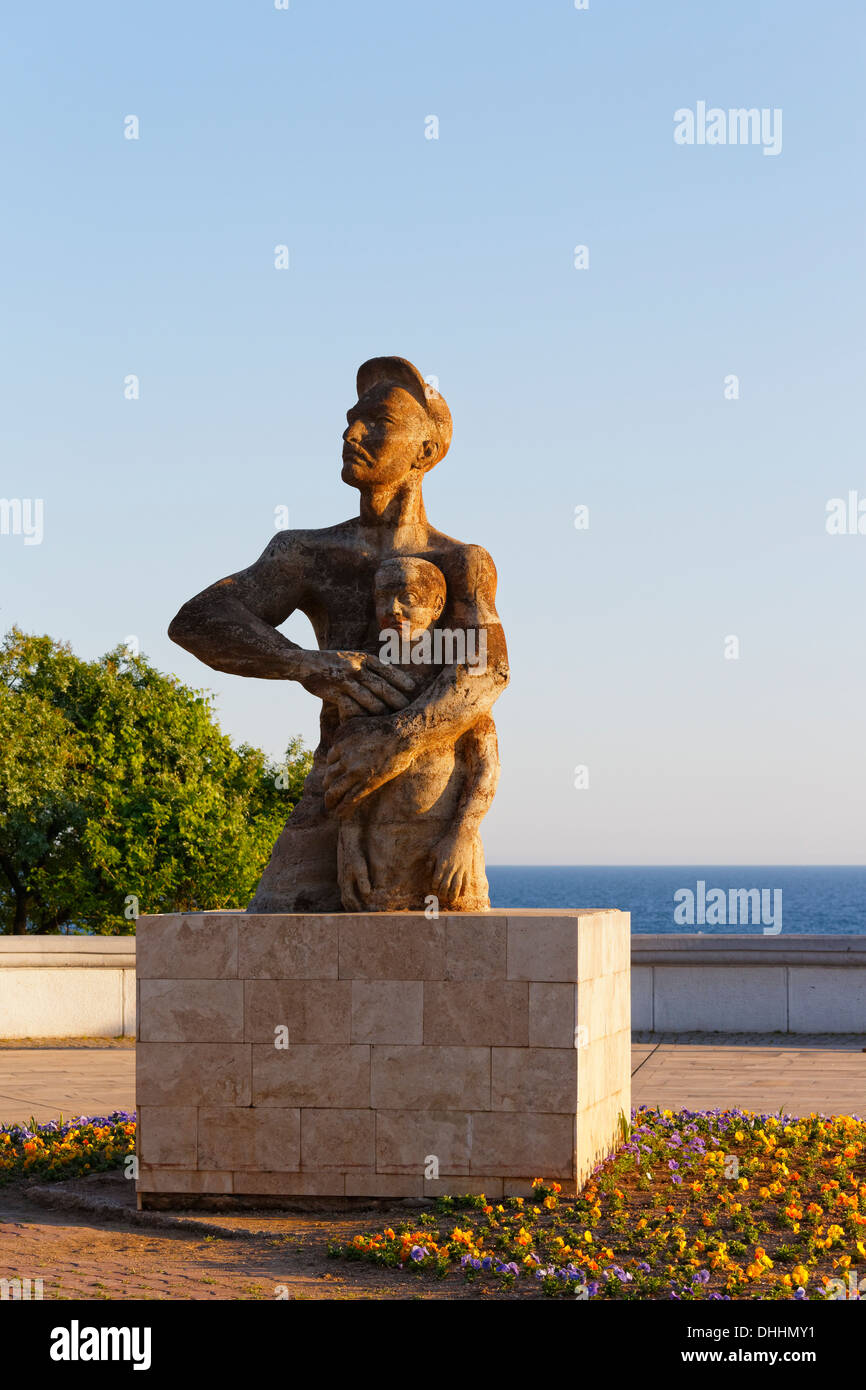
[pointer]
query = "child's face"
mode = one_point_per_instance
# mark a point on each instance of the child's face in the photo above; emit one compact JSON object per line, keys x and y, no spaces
{"x":406,"y":600}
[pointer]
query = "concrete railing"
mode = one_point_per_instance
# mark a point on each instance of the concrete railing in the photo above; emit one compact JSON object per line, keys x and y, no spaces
{"x":748,"y":984}
{"x":84,"y":986}
{"x":67,"y":986}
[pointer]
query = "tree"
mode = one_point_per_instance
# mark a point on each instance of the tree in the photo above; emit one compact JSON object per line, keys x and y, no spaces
{"x":119,"y":793}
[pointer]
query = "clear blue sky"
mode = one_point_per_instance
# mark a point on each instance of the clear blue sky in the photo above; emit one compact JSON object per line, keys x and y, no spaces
{"x":602,"y":387}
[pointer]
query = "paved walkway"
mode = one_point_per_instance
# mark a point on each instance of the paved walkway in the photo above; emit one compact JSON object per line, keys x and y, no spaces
{"x":829,"y":1078}
{"x":765,"y":1074}
{"x":48,"y":1081}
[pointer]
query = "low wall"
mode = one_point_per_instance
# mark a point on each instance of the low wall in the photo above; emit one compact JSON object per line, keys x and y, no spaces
{"x":60,"y":986}
{"x":748,"y":984}
{"x":67,"y":986}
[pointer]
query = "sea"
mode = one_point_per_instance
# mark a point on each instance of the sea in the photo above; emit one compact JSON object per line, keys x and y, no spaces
{"x":822,"y":901}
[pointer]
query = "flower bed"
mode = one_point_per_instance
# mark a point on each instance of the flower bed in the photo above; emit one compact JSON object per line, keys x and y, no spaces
{"x":693,"y":1205}
{"x":66,"y":1148}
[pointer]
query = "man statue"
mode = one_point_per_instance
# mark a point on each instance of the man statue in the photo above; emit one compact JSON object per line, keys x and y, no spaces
{"x":377,"y":720}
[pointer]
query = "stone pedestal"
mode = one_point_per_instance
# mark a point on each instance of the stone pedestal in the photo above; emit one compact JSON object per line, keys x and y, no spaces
{"x":377,"y":1054}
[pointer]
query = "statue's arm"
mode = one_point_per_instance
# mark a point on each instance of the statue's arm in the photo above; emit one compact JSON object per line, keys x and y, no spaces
{"x":452,"y":856}
{"x":365,"y":756}
{"x":232,"y":626}
{"x":460,"y":694}
{"x":480,"y":752}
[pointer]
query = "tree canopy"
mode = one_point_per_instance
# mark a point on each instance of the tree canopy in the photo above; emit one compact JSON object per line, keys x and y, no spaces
{"x":119,"y":793}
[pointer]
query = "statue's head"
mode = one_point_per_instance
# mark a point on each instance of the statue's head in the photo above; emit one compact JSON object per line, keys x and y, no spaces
{"x":408,"y":590}
{"x":399,"y":423}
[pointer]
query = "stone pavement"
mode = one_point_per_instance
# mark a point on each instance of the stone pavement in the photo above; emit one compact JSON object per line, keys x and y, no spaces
{"x":795,"y":1074}
{"x":765,"y":1073}
{"x":48,"y":1081}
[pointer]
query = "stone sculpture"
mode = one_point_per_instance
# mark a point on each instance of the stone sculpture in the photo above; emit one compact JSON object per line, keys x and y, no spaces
{"x":411,"y":659}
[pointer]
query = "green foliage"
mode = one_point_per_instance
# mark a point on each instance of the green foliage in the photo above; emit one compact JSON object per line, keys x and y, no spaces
{"x":116,"y":783}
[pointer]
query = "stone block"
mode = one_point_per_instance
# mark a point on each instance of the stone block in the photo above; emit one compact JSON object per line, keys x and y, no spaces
{"x":313,"y":1074}
{"x":542,"y":948}
{"x":512,"y":1143}
{"x":338,"y":1139}
{"x":184,"y":1181}
{"x":193,"y":1074}
{"x":533,"y":1079}
{"x":383,"y":1185}
{"x":827,"y":999}
{"x":407,"y":1139}
{"x":642,"y":998}
{"x":476,"y":948}
{"x":483,"y":1186}
{"x":603,"y":1067}
{"x":476,"y":1013}
{"x":387,"y":1011}
{"x":167,"y":1136}
{"x":281,"y":1184}
{"x":552,"y":1015}
{"x":385,"y":946}
{"x":198,"y":946}
{"x":313,"y":1011}
{"x":720,"y":998}
{"x":206,"y":1011}
{"x":249,"y":1138}
{"x":603,"y":1006}
{"x":430,"y":1078}
{"x":604,"y":943}
{"x":288,"y":946}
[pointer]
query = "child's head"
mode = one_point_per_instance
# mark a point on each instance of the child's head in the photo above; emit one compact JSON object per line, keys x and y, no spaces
{"x":408,"y":590}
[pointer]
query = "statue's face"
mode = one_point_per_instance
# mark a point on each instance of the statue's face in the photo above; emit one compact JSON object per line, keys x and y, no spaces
{"x":403,"y":596}
{"x":388,"y":435}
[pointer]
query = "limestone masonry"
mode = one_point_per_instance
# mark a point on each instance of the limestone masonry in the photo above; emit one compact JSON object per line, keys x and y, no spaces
{"x":379,"y":1054}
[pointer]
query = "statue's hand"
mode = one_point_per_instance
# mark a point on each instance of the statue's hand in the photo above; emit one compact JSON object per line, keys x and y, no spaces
{"x":365,"y":755}
{"x":358,"y":677}
{"x":451,"y":862}
{"x":355,"y":889}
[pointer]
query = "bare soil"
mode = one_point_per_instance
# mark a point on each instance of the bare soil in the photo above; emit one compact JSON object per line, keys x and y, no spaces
{"x":83,"y":1246}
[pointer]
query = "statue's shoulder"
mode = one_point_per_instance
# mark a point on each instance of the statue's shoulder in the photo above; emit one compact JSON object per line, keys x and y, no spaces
{"x":462,"y":558}
{"x":301,"y":544}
